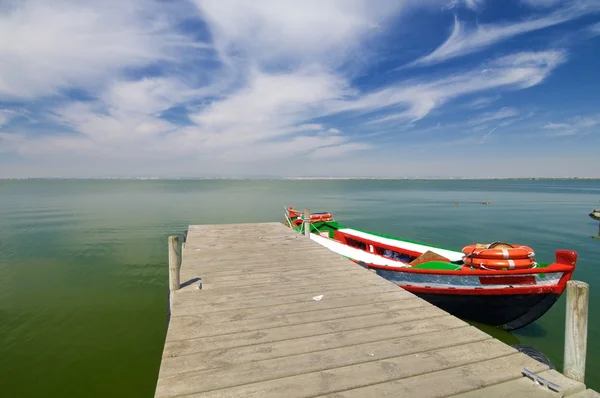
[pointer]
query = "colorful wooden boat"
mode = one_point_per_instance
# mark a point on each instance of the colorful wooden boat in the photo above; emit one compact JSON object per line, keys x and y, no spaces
{"x":496,"y":284}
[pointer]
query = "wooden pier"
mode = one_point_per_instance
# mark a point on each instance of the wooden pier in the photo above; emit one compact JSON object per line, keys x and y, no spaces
{"x":278,"y":315}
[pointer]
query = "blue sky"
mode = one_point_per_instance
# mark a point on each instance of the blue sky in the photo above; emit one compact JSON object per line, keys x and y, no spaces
{"x":394,"y":88}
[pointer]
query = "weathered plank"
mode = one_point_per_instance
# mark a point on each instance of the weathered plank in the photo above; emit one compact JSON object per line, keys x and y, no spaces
{"x":586,"y":394}
{"x":292,"y":308}
{"x":269,"y":369}
{"x":196,"y":326}
{"x":369,"y":373}
{"x":227,"y":357}
{"x":516,"y":388}
{"x":259,"y":298}
{"x":451,"y":381}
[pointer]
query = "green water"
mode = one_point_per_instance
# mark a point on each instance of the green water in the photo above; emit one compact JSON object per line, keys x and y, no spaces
{"x":83,"y":274}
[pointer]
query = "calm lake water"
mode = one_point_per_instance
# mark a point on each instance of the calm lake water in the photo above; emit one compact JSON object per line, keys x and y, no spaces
{"x":83,"y":264}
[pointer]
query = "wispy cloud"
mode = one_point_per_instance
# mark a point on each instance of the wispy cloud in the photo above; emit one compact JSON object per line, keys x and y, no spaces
{"x":470,"y":4}
{"x":503,"y":113}
{"x":541,"y":3}
{"x":275,"y":31}
{"x":516,"y":71}
{"x":51,"y":45}
{"x":574,"y":126}
{"x":464,"y":40}
{"x":5,"y":115}
{"x":486,"y":136}
{"x":595,"y":29}
{"x":482,"y":102}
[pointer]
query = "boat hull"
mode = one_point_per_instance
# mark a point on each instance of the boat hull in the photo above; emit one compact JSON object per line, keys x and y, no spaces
{"x":508,"y":311}
{"x":507,"y":300}
{"x":508,"y":297}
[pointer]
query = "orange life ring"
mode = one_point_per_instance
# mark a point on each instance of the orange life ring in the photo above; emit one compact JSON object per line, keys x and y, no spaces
{"x":313,"y":217}
{"x":516,"y":252}
{"x":523,"y":263}
{"x":321,"y":217}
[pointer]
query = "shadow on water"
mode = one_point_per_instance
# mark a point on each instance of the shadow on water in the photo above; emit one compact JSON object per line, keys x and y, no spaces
{"x":511,"y":337}
{"x":534,"y":330}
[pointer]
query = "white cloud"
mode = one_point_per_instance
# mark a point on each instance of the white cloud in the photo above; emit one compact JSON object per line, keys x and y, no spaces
{"x":540,"y":3}
{"x":482,"y":102}
{"x":463,"y":40}
{"x":516,"y":71}
{"x":554,"y":126}
{"x":574,"y":126}
{"x":272,"y":105}
{"x":470,"y":4}
{"x":595,"y":29}
{"x":49,"y":45}
{"x":5,"y":116}
{"x":272,"y":31}
{"x":339,"y":150}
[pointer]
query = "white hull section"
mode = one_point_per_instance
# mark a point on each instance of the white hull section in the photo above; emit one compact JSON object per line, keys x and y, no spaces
{"x":415,"y":247}
{"x":428,"y":280}
{"x":463,"y":282}
{"x":355,"y":254}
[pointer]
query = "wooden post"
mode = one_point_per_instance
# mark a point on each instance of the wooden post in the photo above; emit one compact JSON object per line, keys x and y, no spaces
{"x":307,"y":222}
{"x":174,"y":263}
{"x":576,"y":330}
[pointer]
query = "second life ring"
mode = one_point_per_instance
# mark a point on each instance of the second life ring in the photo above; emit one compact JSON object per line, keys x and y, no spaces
{"x":505,"y":253}
{"x":523,"y":263}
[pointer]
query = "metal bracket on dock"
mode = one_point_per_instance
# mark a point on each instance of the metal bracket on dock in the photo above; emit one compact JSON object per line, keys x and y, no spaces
{"x":541,"y":381}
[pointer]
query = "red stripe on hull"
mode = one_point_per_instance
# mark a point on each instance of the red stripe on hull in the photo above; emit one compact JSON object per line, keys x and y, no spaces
{"x":507,"y":280}
{"x":343,"y":238}
{"x":555,"y":267}
{"x":558,"y":289}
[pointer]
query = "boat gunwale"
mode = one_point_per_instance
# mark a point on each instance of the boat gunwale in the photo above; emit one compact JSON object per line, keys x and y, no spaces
{"x":542,"y":268}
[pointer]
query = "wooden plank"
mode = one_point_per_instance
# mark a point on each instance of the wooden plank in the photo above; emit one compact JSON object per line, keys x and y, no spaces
{"x":517,"y":388}
{"x":221,"y":267}
{"x":297,"y":286}
{"x":246,"y":278}
{"x":451,"y":381}
{"x":190,"y":331}
{"x":262,"y":298}
{"x":292,"y":308}
{"x":309,"y":343}
{"x":293,"y":332}
{"x":368,"y":373}
{"x":247,"y":373}
{"x":196,"y":326}
{"x":586,"y":394}
{"x":567,"y":386}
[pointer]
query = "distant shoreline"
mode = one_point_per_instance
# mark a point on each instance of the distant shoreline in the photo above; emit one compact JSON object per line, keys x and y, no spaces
{"x":303,"y":178}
